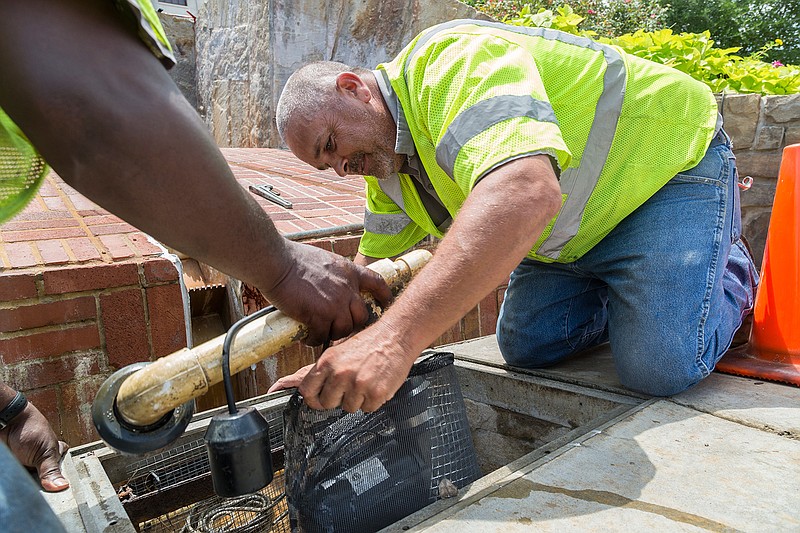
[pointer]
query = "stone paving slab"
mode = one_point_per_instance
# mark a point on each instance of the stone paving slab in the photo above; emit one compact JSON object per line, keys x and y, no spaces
{"x":722,"y":456}
{"x":664,"y":468}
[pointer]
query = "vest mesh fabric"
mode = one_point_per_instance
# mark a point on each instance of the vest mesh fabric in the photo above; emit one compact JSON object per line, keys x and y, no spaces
{"x":22,"y":169}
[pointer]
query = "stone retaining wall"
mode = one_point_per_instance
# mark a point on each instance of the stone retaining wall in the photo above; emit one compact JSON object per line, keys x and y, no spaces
{"x":760,"y":127}
{"x":247,"y":49}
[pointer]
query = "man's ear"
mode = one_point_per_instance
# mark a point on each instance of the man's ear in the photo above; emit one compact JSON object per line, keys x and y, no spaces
{"x":352,"y":84}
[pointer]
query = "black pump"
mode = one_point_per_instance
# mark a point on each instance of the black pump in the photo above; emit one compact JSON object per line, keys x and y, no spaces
{"x":237,"y":442}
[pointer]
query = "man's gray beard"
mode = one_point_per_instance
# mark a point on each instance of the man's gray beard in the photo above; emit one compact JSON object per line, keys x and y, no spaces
{"x":383,"y":166}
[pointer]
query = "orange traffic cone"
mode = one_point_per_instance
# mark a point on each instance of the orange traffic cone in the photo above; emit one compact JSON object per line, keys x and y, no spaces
{"x":773,"y":352}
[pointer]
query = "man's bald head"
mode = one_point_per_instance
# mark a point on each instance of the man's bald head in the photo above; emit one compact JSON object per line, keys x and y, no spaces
{"x":308,"y":90}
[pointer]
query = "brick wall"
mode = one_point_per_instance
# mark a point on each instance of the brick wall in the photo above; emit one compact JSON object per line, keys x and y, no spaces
{"x":64,"y":330}
{"x":760,"y":127}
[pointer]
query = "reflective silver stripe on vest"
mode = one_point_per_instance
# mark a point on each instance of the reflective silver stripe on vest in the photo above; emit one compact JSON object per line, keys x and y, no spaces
{"x":484,"y":115}
{"x":388,"y":224}
{"x":385,"y":224}
{"x":577,"y":183}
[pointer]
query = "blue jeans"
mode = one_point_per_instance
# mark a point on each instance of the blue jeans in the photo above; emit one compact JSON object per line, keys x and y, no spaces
{"x":668,"y":287}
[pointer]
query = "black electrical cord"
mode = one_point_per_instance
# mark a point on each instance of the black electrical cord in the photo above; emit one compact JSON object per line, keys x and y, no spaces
{"x":226,"y":353}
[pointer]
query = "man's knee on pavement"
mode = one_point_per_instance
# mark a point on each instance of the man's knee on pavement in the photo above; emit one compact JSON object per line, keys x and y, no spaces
{"x":659,"y":378}
{"x":524,"y":352}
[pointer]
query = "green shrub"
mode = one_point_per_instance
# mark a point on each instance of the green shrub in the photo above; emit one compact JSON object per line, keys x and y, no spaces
{"x":606,"y":18}
{"x":692,"y":53}
{"x":748,"y":24}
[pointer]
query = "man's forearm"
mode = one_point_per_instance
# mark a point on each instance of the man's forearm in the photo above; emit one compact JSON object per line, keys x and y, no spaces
{"x":495,"y":229}
{"x":105,"y":114}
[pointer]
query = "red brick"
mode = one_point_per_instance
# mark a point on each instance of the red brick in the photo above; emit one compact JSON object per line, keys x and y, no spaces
{"x":55,"y":204}
{"x":49,"y":343}
{"x":167,"y":322}
{"x":346,"y":246}
{"x":46,"y":401}
{"x":143,"y":246}
{"x":282,"y":215}
{"x":296,"y":225}
{"x":16,"y":224}
{"x":38,"y":374}
{"x":453,"y":334}
{"x":52,"y":252}
{"x":98,"y":220}
{"x":42,"y":234}
{"x":324,"y":244}
{"x":20,"y":255}
{"x":84,"y":249}
{"x":488,"y":313}
{"x":90,"y":277}
{"x":125,"y":327}
{"x":77,"y":397}
{"x":83,"y":205}
{"x":120,"y":228}
{"x":47,"y":314}
{"x":17,"y":286}
{"x":48,"y":188}
{"x":323,"y":210}
{"x":471,"y":324}
{"x":117,"y":246}
{"x":160,"y":271}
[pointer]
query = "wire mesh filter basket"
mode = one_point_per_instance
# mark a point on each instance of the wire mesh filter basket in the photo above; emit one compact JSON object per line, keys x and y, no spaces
{"x":363,"y":471}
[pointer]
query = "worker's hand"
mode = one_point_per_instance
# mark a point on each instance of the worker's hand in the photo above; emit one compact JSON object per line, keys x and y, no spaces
{"x":322,"y":290}
{"x":33,"y":442}
{"x":292,"y":381}
{"x":363,"y":372}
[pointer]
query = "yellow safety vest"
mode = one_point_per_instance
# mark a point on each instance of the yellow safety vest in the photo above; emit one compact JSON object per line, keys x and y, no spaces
{"x":469,"y":96}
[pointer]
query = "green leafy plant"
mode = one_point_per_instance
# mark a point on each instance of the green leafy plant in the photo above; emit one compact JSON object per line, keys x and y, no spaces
{"x":747,"y":24}
{"x":693,"y":53}
{"x":604,"y":17}
{"x":564,"y":19}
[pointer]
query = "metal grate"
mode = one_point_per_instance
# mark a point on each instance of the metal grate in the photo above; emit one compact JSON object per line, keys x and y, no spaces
{"x":266,"y":510}
{"x":228,"y":515}
{"x":167,"y":469}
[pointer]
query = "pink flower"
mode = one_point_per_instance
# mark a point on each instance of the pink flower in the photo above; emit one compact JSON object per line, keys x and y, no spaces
{"x":777,"y":63}
{"x":590,"y":11}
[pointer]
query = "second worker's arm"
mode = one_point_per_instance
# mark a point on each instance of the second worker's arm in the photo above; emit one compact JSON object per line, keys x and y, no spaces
{"x":107,"y":117}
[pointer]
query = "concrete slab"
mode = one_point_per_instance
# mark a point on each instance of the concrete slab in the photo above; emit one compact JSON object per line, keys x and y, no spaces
{"x":723,"y":456}
{"x":593,"y":367}
{"x":665,"y":467}
{"x":63,"y":503}
{"x":767,"y":406}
